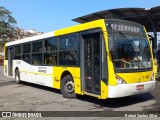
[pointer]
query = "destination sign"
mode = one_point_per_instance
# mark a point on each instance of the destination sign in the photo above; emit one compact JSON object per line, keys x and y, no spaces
{"x":124,"y":28}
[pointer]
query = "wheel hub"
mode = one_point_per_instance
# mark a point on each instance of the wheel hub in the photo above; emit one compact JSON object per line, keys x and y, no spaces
{"x":69,"y":87}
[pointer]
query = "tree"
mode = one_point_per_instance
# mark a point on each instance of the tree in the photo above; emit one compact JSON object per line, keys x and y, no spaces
{"x":7,"y":26}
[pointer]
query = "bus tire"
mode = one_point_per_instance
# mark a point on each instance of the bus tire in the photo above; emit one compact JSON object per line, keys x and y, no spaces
{"x":17,"y":77}
{"x":67,"y":87}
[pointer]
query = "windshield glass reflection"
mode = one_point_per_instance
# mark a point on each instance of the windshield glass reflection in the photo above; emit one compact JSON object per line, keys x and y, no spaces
{"x":130,"y":50}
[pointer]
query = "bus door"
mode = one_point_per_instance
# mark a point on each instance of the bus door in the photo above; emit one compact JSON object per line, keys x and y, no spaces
{"x":91,"y":62}
{"x":10,"y":61}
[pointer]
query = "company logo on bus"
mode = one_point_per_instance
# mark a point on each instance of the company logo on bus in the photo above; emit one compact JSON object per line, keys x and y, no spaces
{"x":125,"y":28}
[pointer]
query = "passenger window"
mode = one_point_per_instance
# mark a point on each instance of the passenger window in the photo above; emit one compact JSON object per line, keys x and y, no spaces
{"x":17,"y":49}
{"x":27,"y":48}
{"x":37,"y":46}
{"x":50,"y":58}
{"x":68,"y":58}
{"x":51,"y":44}
{"x":72,"y":42}
{"x":63,"y":43}
{"x":17,"y":57}
{"x":26,"y":57}
{"x":37,"y":59}
{"x":68,"y":43}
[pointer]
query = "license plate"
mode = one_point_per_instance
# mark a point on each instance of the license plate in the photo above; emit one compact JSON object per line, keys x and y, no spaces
{"x":140,"y":87}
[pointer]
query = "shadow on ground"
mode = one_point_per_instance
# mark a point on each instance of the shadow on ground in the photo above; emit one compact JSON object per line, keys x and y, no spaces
{"x":41,"y":87}
{"x":118,"y":102}
{"x":2,"y":84}
{"x":110,"y":103}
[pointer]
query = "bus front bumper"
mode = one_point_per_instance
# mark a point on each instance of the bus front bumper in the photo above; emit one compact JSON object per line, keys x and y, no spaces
{"x":130,"y":89}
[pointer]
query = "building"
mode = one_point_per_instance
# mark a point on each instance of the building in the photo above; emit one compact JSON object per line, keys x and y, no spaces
{"x":21,"y":33}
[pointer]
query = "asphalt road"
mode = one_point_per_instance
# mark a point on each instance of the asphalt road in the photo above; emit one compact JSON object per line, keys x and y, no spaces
{"x":30,"y":97}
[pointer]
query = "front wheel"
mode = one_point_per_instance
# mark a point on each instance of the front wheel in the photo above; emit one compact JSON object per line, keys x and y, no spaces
{"x":67,"y":87}
{"x":17,"y":77}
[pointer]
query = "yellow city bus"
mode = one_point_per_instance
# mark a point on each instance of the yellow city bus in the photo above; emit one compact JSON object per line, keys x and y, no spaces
{"x":103,"y":58}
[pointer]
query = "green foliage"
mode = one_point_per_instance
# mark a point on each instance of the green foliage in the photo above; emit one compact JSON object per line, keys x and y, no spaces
{"x":7,"y":26}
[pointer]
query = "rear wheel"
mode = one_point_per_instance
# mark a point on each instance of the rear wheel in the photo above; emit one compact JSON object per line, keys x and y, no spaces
{"x":67,"y":87}
{"x":17,"y":77}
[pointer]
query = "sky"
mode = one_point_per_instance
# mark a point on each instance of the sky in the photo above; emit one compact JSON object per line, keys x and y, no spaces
{"x":50,"y":15}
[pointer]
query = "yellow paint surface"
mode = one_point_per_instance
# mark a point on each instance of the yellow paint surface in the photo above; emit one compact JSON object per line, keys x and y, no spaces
{"x":136,"y":77}
{"x":75,"y":73}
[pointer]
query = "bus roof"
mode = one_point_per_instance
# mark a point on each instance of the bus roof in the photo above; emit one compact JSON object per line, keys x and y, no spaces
{"x":76,"y":28}
{"x":42,"y":36}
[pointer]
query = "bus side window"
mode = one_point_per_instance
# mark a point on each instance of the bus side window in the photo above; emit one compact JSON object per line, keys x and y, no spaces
{"x":37,"y":46}
{"x":63,"y":43}
{"x":51,"y":44}
{"x":72,"y":42}
{"x":37,"y":53}
{"x":50,"y":53}
{"x":68,"y":58}
{"x":37,"y":59}
{"x":50,"y":58}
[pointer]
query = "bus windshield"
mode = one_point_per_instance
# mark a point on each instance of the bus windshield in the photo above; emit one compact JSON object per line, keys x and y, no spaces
{"x":129,"y":47}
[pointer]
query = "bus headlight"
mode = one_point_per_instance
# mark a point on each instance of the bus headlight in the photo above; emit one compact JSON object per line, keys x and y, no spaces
{"x":152,"y":78}
{"x":120,"y":80}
